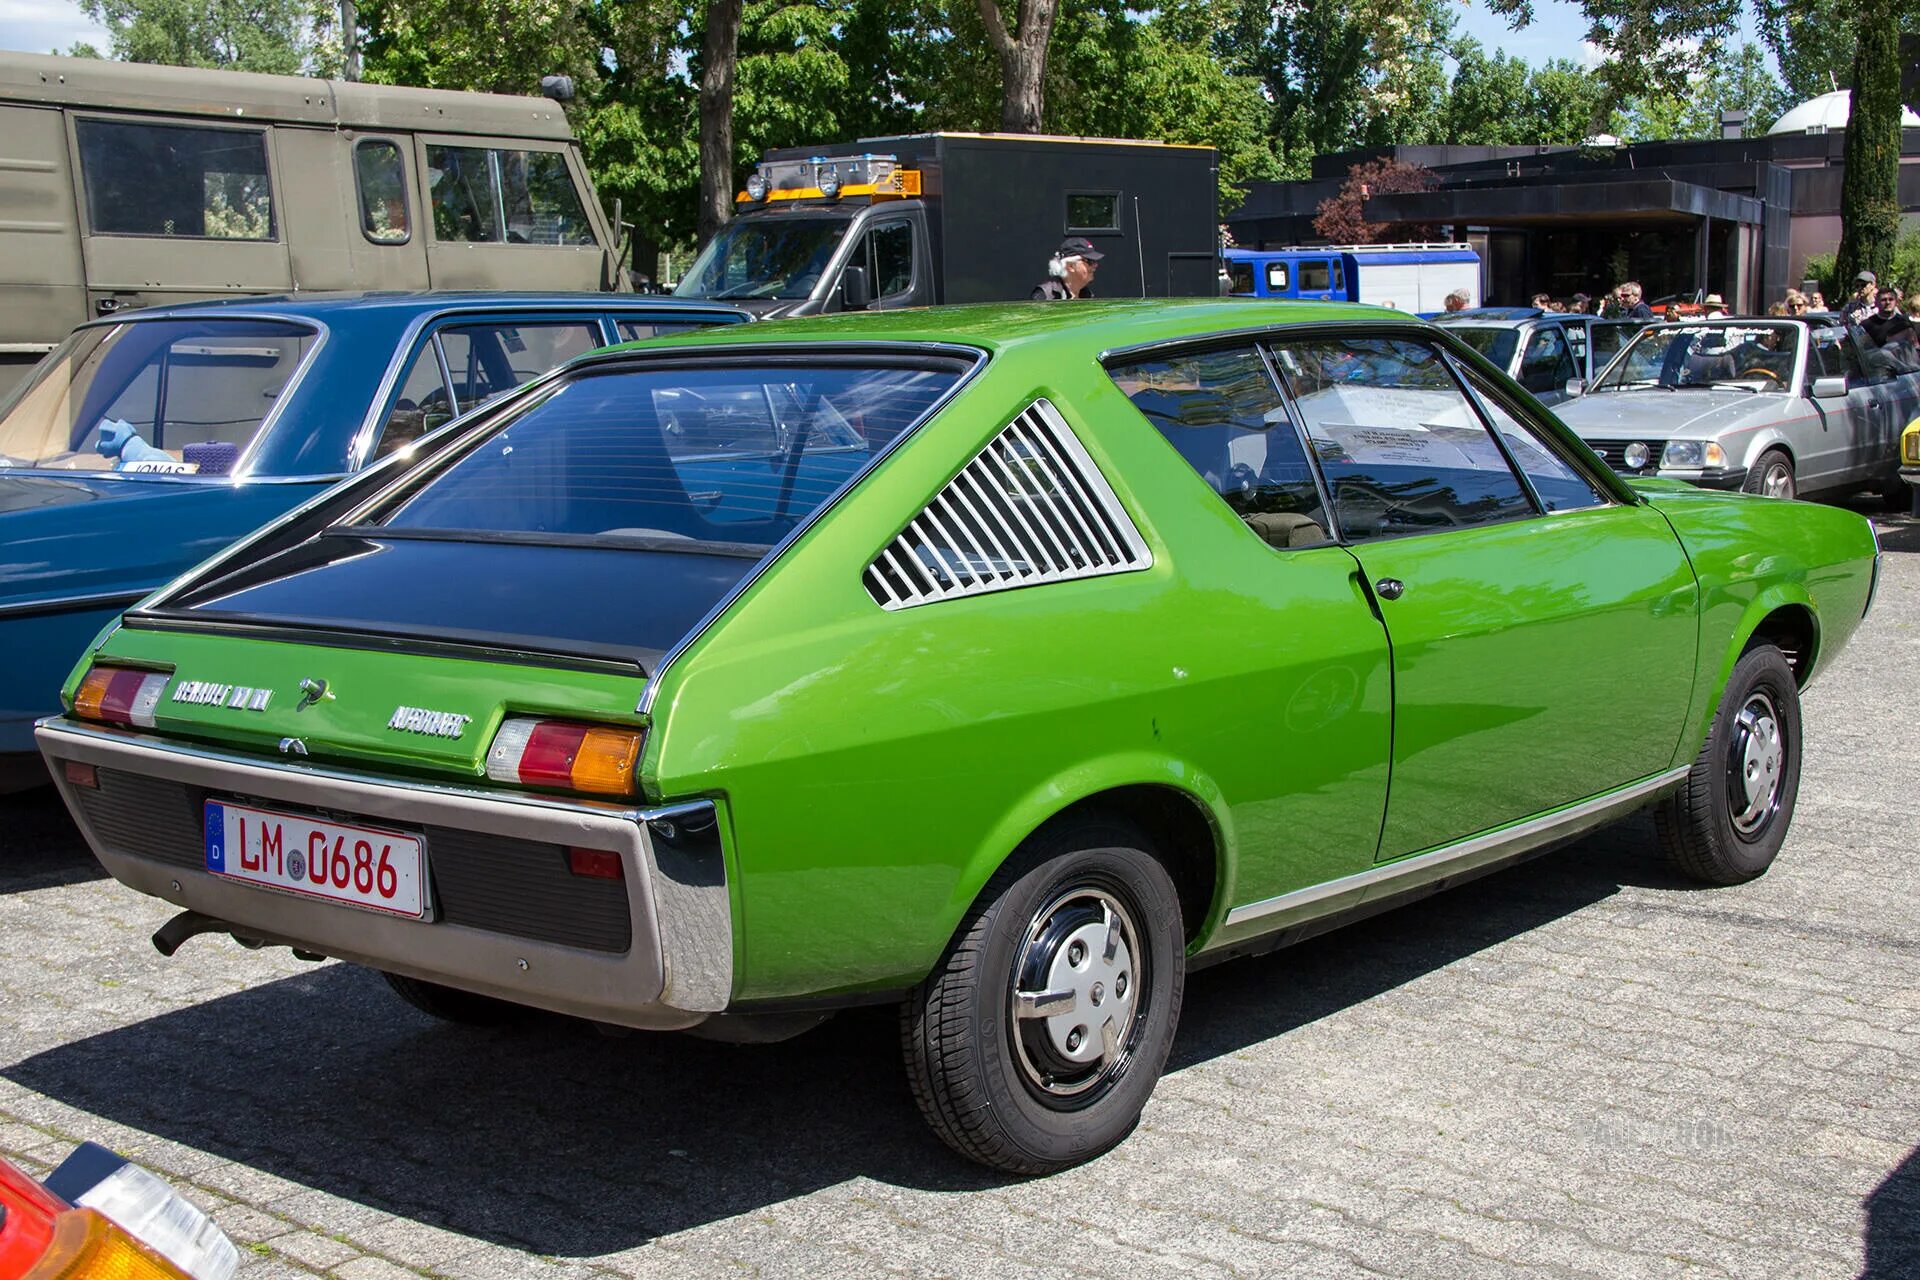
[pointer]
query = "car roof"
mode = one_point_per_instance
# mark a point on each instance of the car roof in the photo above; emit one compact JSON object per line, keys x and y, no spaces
{"x":1096,"y":324}
{"x":319,"y":305}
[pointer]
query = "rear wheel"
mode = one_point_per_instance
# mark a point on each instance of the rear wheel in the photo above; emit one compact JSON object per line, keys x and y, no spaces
{"x":1036,"y":1042}
{"x":1727,"y":821}
{"x":450,"y":1004}
{"x":1772,"y":475}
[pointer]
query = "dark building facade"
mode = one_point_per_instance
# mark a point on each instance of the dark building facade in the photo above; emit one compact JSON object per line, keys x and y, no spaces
{"x":1734,"y":216}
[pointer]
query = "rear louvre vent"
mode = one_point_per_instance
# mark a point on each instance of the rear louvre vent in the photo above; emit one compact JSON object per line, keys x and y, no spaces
{"x":1030,"y":508}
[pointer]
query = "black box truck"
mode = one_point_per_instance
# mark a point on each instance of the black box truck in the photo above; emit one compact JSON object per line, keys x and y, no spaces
{"x":962,"y":217}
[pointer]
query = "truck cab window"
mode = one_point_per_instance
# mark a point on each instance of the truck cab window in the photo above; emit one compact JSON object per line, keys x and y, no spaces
{"x":1316,"y":276}
{"x":381,"y":177}
{"x":1093,"y":211}
{"x":500,"y":196}
{"x":175,"y":180}
{"x":890,"y":259}
{"x":1276,"y":277}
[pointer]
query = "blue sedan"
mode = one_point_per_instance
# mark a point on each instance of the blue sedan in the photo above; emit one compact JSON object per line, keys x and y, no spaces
{"x":148,"y":441}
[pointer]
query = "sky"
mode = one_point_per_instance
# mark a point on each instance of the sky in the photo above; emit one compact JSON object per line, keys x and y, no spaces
{"x":42,"y":26}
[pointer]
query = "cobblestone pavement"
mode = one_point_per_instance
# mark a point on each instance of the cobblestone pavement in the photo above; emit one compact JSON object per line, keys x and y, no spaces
{"x":1580,"y":1066}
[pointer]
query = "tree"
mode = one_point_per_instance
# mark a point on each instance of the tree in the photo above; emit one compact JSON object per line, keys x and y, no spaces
{"x":719,"y":49}
{"x":1342,"y":219}
{"x":1023,"y":60}
{"x":1870,"y":190}
{"x":279,"y":37}
{"x":1740,"y":81}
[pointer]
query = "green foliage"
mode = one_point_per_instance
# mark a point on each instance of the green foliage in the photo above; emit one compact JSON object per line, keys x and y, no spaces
{"x":279,"y":37}
{"x":1691,"y":109}
{"x":1869,"y":192}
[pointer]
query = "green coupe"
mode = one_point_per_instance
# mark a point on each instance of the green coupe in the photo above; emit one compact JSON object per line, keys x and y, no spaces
{"x":1001,"y":663}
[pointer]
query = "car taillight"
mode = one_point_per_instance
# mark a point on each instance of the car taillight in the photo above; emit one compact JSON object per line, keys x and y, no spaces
{"x":119,"y":695}
{"x":565,"y":753}
{"x":88,"y":1246}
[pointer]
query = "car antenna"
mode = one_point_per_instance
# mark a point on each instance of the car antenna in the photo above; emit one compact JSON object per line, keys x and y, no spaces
{"x":1140,"y":245}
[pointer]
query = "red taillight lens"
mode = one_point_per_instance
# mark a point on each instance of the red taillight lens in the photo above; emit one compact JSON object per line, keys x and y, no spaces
{"x":567,"y":754}
{"x":81,"y":775}
{"x":599,"y":864}
{"x":119,"y":695}
{"x":27,"y":1214}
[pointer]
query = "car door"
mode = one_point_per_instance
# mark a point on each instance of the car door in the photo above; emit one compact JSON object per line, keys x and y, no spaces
{"x":1543,"y":634}
{"x":1546,"y":363}
{"x":1821,"y":433}
{"x":1290,"y":681}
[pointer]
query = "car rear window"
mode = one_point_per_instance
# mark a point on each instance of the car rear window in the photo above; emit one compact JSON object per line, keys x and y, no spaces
{"x":733,"y":456}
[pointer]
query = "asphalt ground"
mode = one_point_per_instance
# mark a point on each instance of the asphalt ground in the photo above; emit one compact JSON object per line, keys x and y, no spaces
{"x":1580,"y":1066}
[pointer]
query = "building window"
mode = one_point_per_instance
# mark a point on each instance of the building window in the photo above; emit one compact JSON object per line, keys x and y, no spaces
{"x":1093,"y":211}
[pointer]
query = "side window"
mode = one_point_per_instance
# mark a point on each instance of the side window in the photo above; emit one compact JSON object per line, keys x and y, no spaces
{"x":1833,"y":355}
{"x":1221,"y":411}
{"x":1547,"y":364}
{"x":1607,"y":341}
{"x":890,"y":259}
{"x":422,"y":404}
{"x":1576,"y":331}
{"x":1277,"y":277}
{"x":488,"y":359}
{"x":1401,"y":449}
{"x":1559,"y":486}
{"x":635,"y":330}
{"x":1240,"y":278}
{"x":503,"y":196}
{"x":1093,"y":211}
{"x":1315,"y":276}
{"x":381,"y":176}
{"x":175,"y":180}
{"x":1339,"y":276}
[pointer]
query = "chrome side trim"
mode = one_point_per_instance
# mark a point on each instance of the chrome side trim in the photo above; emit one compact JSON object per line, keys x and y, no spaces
{"x":1533,"y":831}
{"x":73,"y":604}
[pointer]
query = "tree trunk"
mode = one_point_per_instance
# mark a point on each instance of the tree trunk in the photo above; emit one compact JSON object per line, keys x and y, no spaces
{"x":1023,"y":61}
{"x":1870,"y":190}
{"x":720,"y":49}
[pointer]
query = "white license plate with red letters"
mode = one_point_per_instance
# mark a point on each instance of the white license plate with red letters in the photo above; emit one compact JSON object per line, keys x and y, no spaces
{"x":370,"y":867}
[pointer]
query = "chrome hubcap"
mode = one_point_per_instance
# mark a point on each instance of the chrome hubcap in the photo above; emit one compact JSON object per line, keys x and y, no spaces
{"x":1075,"y":993}
{"x":1756,"y":765}
{"x":1779,"y":481}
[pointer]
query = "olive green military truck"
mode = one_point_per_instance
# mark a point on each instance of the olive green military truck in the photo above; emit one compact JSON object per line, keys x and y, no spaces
{"x":126,"y":185}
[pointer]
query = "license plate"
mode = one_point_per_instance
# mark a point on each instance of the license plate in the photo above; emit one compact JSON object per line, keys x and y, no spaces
{"x":370,"y":867}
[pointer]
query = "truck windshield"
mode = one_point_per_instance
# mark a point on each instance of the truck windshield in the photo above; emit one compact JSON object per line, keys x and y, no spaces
{"x":153,"y":397}
{"x":764,"y":258}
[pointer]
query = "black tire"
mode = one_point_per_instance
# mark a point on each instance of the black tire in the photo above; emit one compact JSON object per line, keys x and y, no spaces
{"x":1772,"y":476}
{"x":1727,"y":821}
{"x":450,"y":1004}
{"x":1896,"y":493}
{"x":1037,"y":1093}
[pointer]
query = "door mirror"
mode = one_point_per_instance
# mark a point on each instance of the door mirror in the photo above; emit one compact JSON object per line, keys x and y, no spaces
{"x":1575,"y":387}
{"x":1829,"y":388}
{"x":855,"y":293}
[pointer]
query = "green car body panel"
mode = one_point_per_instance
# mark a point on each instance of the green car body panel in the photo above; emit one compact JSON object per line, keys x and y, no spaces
{"x":872,"y":769}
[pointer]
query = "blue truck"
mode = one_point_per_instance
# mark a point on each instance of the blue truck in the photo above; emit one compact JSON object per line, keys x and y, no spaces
{"x":1411,"y":277}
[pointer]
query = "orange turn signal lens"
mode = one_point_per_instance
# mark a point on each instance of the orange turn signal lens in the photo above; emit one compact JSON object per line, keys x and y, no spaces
{"x":605,"y":761}
{"x":87,"y":1246}
{"x":119,"y":695}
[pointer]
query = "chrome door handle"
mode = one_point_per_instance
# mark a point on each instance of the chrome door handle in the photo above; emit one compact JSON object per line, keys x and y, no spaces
{"x":1389,"y":588}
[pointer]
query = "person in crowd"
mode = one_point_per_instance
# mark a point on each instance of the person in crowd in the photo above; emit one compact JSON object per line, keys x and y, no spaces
{"x":1716,"y":307}
{"x":1780,"y":309}
{"x":1797,"y":304}
{"x":1581,"y":304}
{"x":1887,"y":324}
{"x":1542,"y":302}
{"x":1070,"y":270}
{"x":1633,"y":304}
{"x":1912,"y":306}
{"x":1861,"y":304}
{"x":1458,"y":300}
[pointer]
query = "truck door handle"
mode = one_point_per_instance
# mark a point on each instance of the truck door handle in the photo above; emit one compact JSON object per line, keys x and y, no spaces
{"x":1389,"y":588}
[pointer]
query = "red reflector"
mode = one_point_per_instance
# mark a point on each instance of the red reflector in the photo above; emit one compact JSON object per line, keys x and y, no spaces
{"x":551,"y":747}
{"x":602,"y":864}
{"x":81,"y":775}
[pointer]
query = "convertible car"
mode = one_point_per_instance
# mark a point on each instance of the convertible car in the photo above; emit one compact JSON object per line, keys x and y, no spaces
{"x":1779,"y":407}
{"x":999,"y":663}
{"x":149,"y":440}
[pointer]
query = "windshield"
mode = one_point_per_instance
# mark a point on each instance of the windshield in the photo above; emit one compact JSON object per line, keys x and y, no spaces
{"x":734,"y":456}
{"x":1752,"y":354}
{"x":153,"y":397}
{"x":776,"y":257}
{"x":1497,"y":345}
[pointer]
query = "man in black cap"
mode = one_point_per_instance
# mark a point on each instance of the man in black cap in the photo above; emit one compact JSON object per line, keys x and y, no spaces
{"x":1860,"y":305}
{"x":1070,"y":271}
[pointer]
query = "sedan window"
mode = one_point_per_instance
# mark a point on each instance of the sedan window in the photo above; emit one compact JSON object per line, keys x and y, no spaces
{"x":1400,"y":447}
{"x":1223,"y":413}
{"x":1555,"y":481}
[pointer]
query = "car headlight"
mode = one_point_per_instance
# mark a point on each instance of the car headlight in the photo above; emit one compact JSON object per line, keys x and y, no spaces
{"x":1910,"y":448}
{"x":1693,"y":453}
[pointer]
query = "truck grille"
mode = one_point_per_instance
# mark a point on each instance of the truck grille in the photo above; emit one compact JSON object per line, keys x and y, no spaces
{"x":1614,"y":454}
{"x":516,"y":887}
